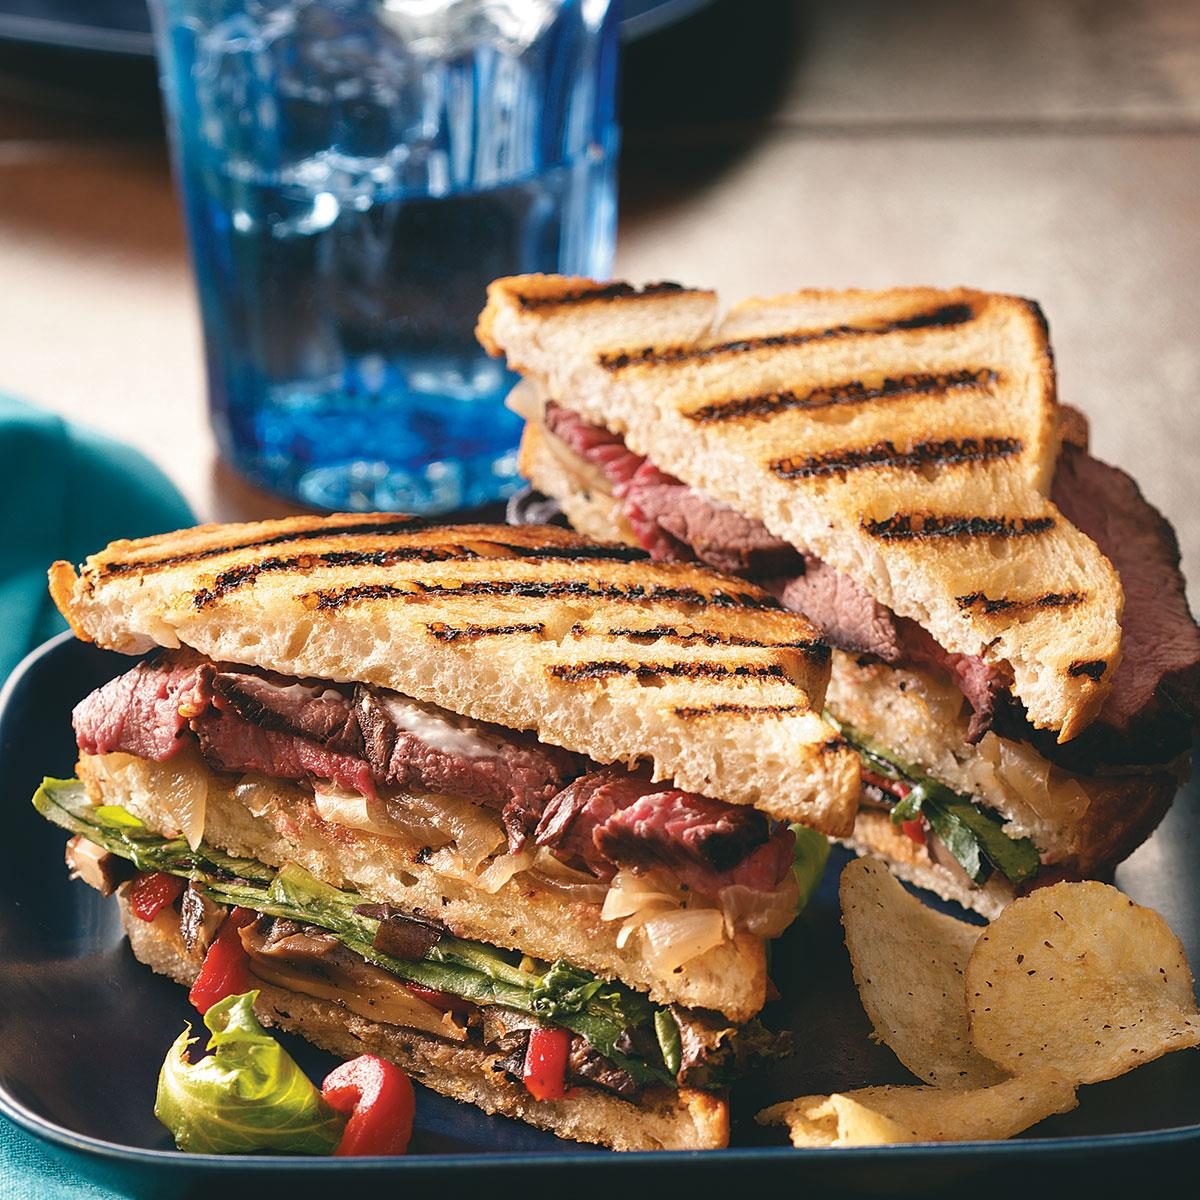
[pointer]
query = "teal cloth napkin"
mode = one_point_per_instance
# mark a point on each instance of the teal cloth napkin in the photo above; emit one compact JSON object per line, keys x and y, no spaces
{"x":65,"y":492}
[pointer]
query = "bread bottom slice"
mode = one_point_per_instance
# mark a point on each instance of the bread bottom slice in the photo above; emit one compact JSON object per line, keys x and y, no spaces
{"x":661,"y":1119}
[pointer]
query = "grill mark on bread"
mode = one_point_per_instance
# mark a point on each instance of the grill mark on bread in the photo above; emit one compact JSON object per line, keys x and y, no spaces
{"x":391,"y":525}
{"x":950,"y":453}
{"x":328,"y":599}
{"x":607,"y":292}
{"x":915,"y":527}
{"x":1093,"y":668}
{"x":982,"y":603}
{"x":471,"y":633}
{"x":608,"y":668}
{"x":247,"y":573}
{"x":813,"y":648}
{"x":853,"y":392}
{"x":691,"y":712}
{"x":944,"y":316}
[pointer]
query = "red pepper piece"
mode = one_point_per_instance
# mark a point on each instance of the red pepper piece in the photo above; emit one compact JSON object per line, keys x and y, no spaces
{"x":894,"y":787}
{"x":225,"y":971}
{"x":379,"y":1098}
{"x":441,"y":1000}
{"x":151,"y":892}
{"x":546,"y":1056}
{"x":915,"y":830}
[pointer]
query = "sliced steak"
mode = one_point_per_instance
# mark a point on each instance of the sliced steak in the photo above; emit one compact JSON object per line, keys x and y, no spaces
{"x":985,"y":685}
{"x":610,"y":819}
{"x":675,"y":522}
{"x":416,"y":747}
{"x":847,"y":615}
{"x":1150,"y":714}
{"x":671,"y":520}
{"x":320,"y":711}
{"x":571,"y":818}
{"x":231,"y":744}
{"x":595,"y":445}
{"x":146,"y":710}
{"x":708,"y":845}
{"x":360,"y":738}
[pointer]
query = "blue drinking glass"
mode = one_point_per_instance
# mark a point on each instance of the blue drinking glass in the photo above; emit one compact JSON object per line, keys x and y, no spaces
{"x":354,"y":173}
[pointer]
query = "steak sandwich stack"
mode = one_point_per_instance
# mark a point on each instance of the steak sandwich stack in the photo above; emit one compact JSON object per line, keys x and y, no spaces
{"x":1014,"y":661}
{"x":457,"y":789}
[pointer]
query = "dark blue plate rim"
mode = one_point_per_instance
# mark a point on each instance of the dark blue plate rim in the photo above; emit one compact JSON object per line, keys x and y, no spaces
{"x":1108,"y":1144}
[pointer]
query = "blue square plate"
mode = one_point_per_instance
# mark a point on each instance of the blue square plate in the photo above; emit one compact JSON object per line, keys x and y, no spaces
{"x":84,"y":1028}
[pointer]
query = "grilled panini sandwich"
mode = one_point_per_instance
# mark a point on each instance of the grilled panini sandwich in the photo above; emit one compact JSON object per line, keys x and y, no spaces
{"x":475,"y":780}
{"x":1015,"y":659}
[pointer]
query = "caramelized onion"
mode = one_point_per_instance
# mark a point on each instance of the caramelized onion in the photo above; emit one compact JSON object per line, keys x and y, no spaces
{"x":564,"y":881}
{"x":182,"y":791}
{"x":476,"y":833}
{"x":502,"y":868}
{"x":764,"y":914}
{"x":675,"y":938}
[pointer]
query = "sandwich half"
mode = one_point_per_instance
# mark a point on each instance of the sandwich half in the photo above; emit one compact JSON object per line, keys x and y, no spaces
{"x":471,"y":781}
{"x":1014,"y":655}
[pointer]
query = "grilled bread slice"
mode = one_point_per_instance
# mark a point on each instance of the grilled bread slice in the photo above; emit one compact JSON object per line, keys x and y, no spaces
{"x":905,"y":437}
{"x":592,"y":646}
{"x":275,"y":822}
{"x":660,"y":1119}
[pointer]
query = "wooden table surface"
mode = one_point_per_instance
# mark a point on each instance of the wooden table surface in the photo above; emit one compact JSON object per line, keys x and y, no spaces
{"x":1051,"y":149}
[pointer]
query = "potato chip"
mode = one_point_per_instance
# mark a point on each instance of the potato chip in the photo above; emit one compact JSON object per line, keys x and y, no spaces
{"x":908,"y":964}
{"x":1078,"y":979}
{"x":881,"y":1116}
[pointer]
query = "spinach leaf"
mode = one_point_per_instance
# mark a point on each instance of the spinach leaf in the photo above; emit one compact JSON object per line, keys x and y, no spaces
{"x":974,"y":836}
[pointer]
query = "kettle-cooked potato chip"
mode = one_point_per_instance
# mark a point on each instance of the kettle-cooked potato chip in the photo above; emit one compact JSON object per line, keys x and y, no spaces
{"x":1078,"y":979}
{"x":878,"y":1116}
{"x":908,"y":964}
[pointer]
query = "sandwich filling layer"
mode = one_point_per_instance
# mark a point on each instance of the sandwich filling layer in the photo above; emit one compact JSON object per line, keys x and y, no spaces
{"x":298,"y":933}
{"x":483,"y":803}
{"x":1149,"y":715}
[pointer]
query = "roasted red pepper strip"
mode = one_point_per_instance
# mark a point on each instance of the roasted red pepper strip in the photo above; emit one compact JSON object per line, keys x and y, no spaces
{"x":442,"y":1000}
{"x":151,"y":892}
{"x":224,"y":972}
{"x":545,"y":1072}
{"x":915,"y":830}
{"x":379,"y":1098}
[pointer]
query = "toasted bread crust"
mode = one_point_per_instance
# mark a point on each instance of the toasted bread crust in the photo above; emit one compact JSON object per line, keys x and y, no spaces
{"x":731,"y":978}
{"x":906,"y":437}
{"x":661,"y":1119}
{"x":532,"y":628}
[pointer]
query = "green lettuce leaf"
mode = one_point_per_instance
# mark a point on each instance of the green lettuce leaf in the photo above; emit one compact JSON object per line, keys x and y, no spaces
{"x":808,"y":861}
{"x":247,"y":1095}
